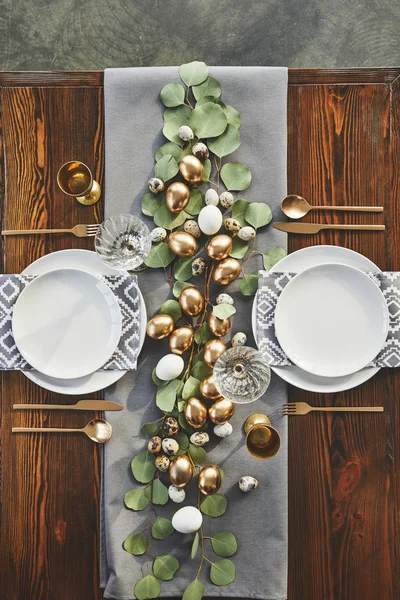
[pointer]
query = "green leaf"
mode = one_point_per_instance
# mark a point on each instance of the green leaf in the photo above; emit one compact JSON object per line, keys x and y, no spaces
{"x":233,"y":116}
{"x":272,"y":256}
{"x":191,"y":388}
{"x":258,"y":214}
{"x":147,"y":588}
{"x":165,"y":567}
{"x":143,"y":466}
{"x":201,"y":370}
{"x":196,"y":202}
{"x":182,"y":440}
{"x":136,"y":544}
{"x":210,"y":87}
{"x":150,"y":203}
{"x":172,"y":94}
{"x":179,"y":286}
{"x":166,"y":168}
{"x":194,"y":591}
{"x":249,"y":284}
{"x":193,"y":73}
{"x":183,"y":269}
{"x":203,"y":334}
{"x":156,"y":380}
{"x":160,"y":492}
{"x":160,"y":255}
{"x":224,"y":543}
{"x":207,"y":169}
{"x":173,"y":119}
{"x":223,"y":311}
{"x":239,"y":211}
{"x":169,"y":148}
{"x":236,"y":176}
{"x":166,"y":396}
{"x":226,"y":143}
{"x":195,"y":545}
{"x":214,"y":506}
{"x":149,"y":429}
{"x":222,"y":572}
{"x":208,"y":120}
{"x":239,"y":248}
{"x":182,"y":421}
{"x":136,"y":499}
{"x":198,"y":454}
{"x":172,"y":308}
{"x":205,"y":99}
{"x":162,"y":528}
{"x":164,"y":218}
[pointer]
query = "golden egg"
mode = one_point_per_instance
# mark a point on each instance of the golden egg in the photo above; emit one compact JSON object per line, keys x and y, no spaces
{"x":177,"y":196}
{"x":228,"y":270}
{"x":180,"y":471}
{"x":212,"y":351}
{"x":191,"y":301}
{"x":191,"y":169}
{"x":195,"y":413}
{"x":182,"y":243}
{"x":208,"y":389}
{"x":219,"y":327}
{"x":221,"y":411}
{"x":219,"y":247}
{"x":209,"y":480}
{"x":180,"y":340}
{"x":160,"y":326}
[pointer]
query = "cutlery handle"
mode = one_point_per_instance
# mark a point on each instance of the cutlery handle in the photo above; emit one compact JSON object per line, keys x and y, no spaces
{"x":360,"y":227}
{"x":374,"y":209}
{"x":44,"y":430}
{"x":33,"y":231}
{"x":349,"y":408}
{"x":44,"y":406}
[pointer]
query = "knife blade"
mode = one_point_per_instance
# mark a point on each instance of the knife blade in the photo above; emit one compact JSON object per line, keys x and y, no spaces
{"x":81,"y":405}
{"x":311,"y":228}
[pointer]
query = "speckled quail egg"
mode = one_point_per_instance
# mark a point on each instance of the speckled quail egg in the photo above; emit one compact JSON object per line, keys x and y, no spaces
{"x":171,"y":426}
{"x":192,"y":228}
{"x":156,"y":185}
{"x":231,"y":224}
{"x":158,"y":235}
{"x":211,"y":198}
{"x":246,"y":233}
{"x":154,"y":445}
{"x":239,"y":339}
{"x":176,"y":494}
{"x":198,"y":266}
{"x":226,"y":199}
{"x":185,"y":133}
{"x":200,"y":151}
{"x":248,"y":483}
{"x":223,"y":430}
{"x":199,"y":438}
{"x":224,"y":299}
{"x":170,"y":446}
{"x":162,"y":463}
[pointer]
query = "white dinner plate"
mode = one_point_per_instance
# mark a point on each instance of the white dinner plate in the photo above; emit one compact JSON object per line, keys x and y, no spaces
{"x":87,"y":261}
{"x":331,"y":320}
{"x":66,"y":323}
{"x":295,"y":263}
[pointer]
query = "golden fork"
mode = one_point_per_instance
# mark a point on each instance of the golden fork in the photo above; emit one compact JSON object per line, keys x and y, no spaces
{"x":78,"y":231}
{"x":302,"y":408}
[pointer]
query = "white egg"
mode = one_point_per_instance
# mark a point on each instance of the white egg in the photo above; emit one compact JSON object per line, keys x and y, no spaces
{"x":210,"y":219}
{"x":187,"y":519}
{"x":223,"y":430}
{"x":224,"y":299}
{"x":239,"y":339}
{"x":169,"y":367}
{"x":211,"y":197}
{"x":176,"y":494}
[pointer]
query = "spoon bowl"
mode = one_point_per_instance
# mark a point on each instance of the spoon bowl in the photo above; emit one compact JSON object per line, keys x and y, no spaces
{"x":98,"y":430}
{"x":295,"y":207}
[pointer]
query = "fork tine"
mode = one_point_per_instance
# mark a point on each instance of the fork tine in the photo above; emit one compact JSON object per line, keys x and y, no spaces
{"x":92,"y":227}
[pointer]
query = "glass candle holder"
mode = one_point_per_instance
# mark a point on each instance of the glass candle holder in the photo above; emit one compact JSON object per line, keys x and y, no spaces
{"x":123,"y":242}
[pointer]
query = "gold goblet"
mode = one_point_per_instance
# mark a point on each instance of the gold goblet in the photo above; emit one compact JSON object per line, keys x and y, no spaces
{"x":262,"y":440}
{"x":75,"y":179}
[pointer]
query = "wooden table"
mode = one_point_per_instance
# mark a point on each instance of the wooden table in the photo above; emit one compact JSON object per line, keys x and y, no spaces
{"x":344,"y":478}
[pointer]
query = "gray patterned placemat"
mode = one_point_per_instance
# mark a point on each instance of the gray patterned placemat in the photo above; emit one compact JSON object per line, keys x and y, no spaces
{"x":270,"y":287}
{"x":125,"y":288}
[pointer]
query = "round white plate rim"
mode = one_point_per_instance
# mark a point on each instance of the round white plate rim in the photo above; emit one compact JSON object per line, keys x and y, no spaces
{"x":357,"y":365}
{"x":294,"y":375}
{"x":103,"y":358}
{"x":100,"y":379}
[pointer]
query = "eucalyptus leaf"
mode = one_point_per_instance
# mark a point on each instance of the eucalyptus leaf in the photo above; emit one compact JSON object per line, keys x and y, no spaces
{"x":201,"y":370}
{"x":160,"y":255}
{"x":164,"y":218}
{"x":258,"y":214}
{"x":236,"y":176}
{"x":239,"y":211}
{"x":182,"y":421}
{"x":203,"y":334}
{"x":198,"y":454}
{"x":166,"y":168}
{"x":207,"y":169}
{"x":214,"y":506}
{"x":194,"y":591}
{"x":222,"y":572}
{"x":147,"y":588}
{"x":195,"y":545}
{"x":181,"y":405}
{"x":233,"y":116}
{"x":210,"y":87}
{"x":173,"y":119}
{"x":195,"y":203}
{"x":172,"y":94}
{"x":179,"y":286}
{"x":191,"y":388}
{"x":205,"y":99}
{"x":193,"y":73}
{"x":162,"y":528}
{"x":183,"y":269}
{"x":169,"y":148}
{"x":249,"y":284}
{"x":136,"y":499}
{"x":157,"y":493}
{"x":166,"y":396}
{"x":224,"y":543}
{"x":165,"y":567}
{"x":223,"y":311}
{"x":172,"y":308}
{"x":143,"y":467}
{"x":150,"y":203}
{"x":208,"y":120}
{"x":182,"y":440}
{"x":150,"y":429}
{"x":156,"y":380}
{"x":226,"y":143}
{"x":136,"y":544}
{"x":272,"y":256}
{"x":239,"y":248}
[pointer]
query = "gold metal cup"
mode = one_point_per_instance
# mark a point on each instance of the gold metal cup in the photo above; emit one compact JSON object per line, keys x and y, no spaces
{"x":262,"y":440}
{"x":75,"y":179}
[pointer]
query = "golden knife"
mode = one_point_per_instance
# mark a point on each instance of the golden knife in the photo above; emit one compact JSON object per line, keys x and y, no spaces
{"x":311,"y":228}
{"x":81,"y":405}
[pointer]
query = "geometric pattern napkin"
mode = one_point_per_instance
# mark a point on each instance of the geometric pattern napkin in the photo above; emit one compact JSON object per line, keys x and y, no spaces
{"x":126,"y":290}
{"x":270,"y":286}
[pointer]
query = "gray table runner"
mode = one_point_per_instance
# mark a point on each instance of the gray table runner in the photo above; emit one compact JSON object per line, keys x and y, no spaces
{"x":133,"y":124}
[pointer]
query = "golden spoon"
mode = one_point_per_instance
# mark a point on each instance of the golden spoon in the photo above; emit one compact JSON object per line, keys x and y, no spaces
{"x":296,"y":207}
{"x":97,"y":430}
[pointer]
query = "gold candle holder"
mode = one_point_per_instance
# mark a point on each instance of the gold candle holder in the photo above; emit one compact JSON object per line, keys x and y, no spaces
{"x":75,"y":179}
{"x":262,"y":440}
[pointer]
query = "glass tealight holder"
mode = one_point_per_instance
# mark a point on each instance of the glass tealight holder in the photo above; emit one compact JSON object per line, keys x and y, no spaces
{"x":123,"y":242}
